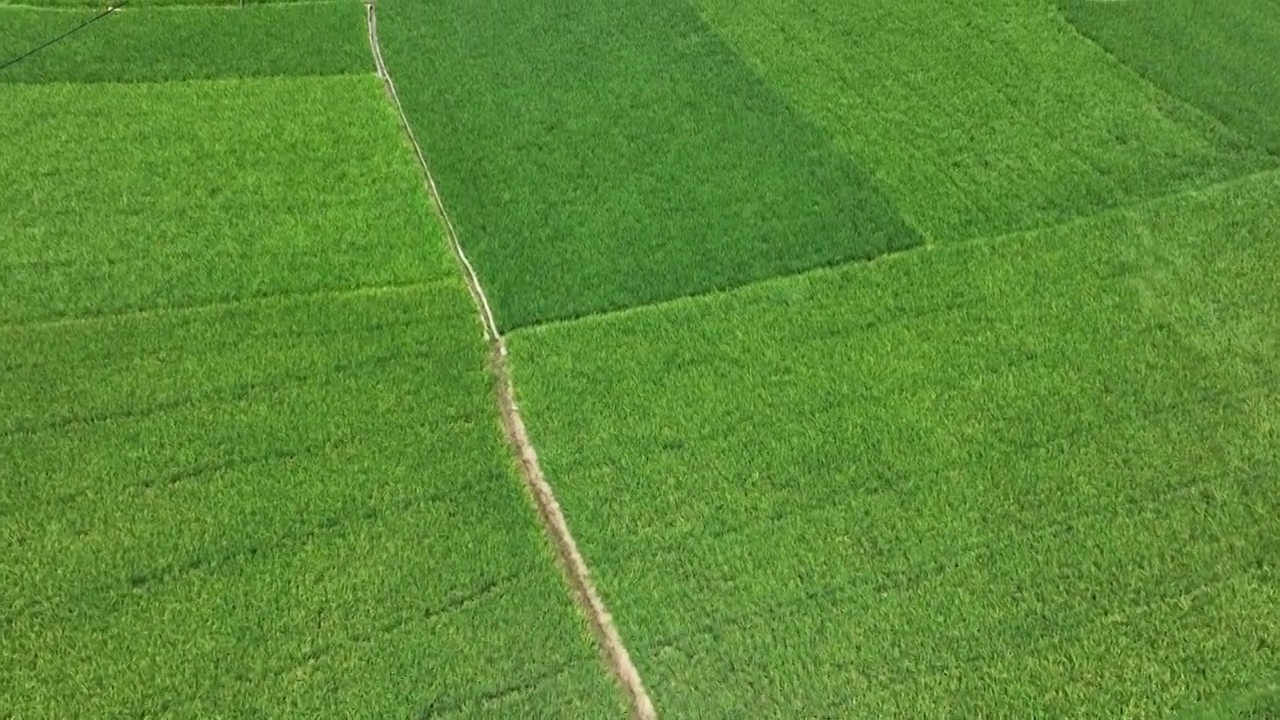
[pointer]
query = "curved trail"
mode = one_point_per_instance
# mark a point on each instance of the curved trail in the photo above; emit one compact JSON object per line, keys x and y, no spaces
{"x":570,"y":558}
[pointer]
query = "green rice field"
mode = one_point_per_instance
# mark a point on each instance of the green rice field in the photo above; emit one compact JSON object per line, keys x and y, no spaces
{"x":654,"y":166}
{"x":886,"y":359}
{"x":951,"y":484}
{"x":249,"y":457}
{"x":984,"y":117}
{"x":1216,"y":65}
{"x":187,"y":43}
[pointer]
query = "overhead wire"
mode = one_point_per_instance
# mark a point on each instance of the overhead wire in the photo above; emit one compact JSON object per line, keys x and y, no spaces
{"x":19,"y":58}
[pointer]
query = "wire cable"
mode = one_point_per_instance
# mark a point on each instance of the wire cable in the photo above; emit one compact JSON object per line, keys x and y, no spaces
{"x":19,"y":58}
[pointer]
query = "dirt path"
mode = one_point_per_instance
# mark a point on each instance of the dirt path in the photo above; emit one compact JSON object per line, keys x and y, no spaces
{"x":570,"y":558}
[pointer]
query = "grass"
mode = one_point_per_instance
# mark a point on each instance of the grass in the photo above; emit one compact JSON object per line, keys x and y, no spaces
{"x":1208,"y":54}
{"x":981,"y":118}
{"x":92,"y":5}
{"x":1027,"y":477}
{"x":1257,"y":703}
{"x":152,"y":196}
{"x":612,"y":154}
{"x":247,"y":437}
{"x":145,"y":44}
{"x":250,"y":460}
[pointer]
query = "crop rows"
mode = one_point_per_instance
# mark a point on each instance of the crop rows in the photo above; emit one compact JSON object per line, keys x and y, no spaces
{"x":981,"y":118}
{"x":250,"y":461}
{"x":888,"y":359}
{"x":611,"y":154}
{"x":1028,"y":477}
{"x":1220,"y":64}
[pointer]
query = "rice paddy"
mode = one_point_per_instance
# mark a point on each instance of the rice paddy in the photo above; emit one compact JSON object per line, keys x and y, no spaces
{"x":185,"y":43}
{"x":1217,"y":65}
{"x":611,"y":154}
{"x":1024,"y":477}
{"x":984,"y":117}
{"x":887,"y":360}
{"x":250,"y":462}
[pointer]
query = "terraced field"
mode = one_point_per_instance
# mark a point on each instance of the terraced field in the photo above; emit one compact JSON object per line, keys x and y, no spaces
{"x":887,"y":359}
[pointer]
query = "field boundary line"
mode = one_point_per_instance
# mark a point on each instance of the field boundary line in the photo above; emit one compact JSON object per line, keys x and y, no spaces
{"x":145,"y":313}
{"x":895,"y":255}
{"x":195,"y":80}
{"x":557,"y":527}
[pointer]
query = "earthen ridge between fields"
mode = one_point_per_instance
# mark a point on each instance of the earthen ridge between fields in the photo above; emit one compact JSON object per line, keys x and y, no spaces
{"x":570,"y":558}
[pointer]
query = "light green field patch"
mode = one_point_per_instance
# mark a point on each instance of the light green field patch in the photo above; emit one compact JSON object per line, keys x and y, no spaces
{"x":249,"y":458}
{"x":984,"y":117}
{"x":292,"y":508}
{"x":126,"y":198}
{"x":1031,"y":477}
{"x":154,"y":44}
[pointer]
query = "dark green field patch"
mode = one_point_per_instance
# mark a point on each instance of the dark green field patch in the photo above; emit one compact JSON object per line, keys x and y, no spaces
{"x":1032,"y":477}
{"x":92,"y":6}
{"x":1221,"y":56}
{"x":981,"y":118}
{"x":146,"y":44}
{"x":608,"y":154}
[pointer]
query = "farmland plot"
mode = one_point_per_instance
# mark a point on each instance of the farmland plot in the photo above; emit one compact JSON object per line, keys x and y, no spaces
{"x":605,"y":154}
{"x":152,"y":44}
{"x":83,"y":235}
{"x":1218,"y":56}
{"x":93,"y":5}
{"x":981,"y":118}
{"x":249,"y":460}
{"x":1028,"y":477}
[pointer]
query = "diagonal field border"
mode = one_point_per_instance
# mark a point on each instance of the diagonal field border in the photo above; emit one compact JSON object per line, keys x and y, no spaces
{"x":896,"y":255}
{"x":570,"y":558}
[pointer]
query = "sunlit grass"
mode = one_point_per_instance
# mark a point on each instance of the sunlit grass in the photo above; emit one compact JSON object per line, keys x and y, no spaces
{"x":1030,"y":477}
{"x":249,"y":459}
